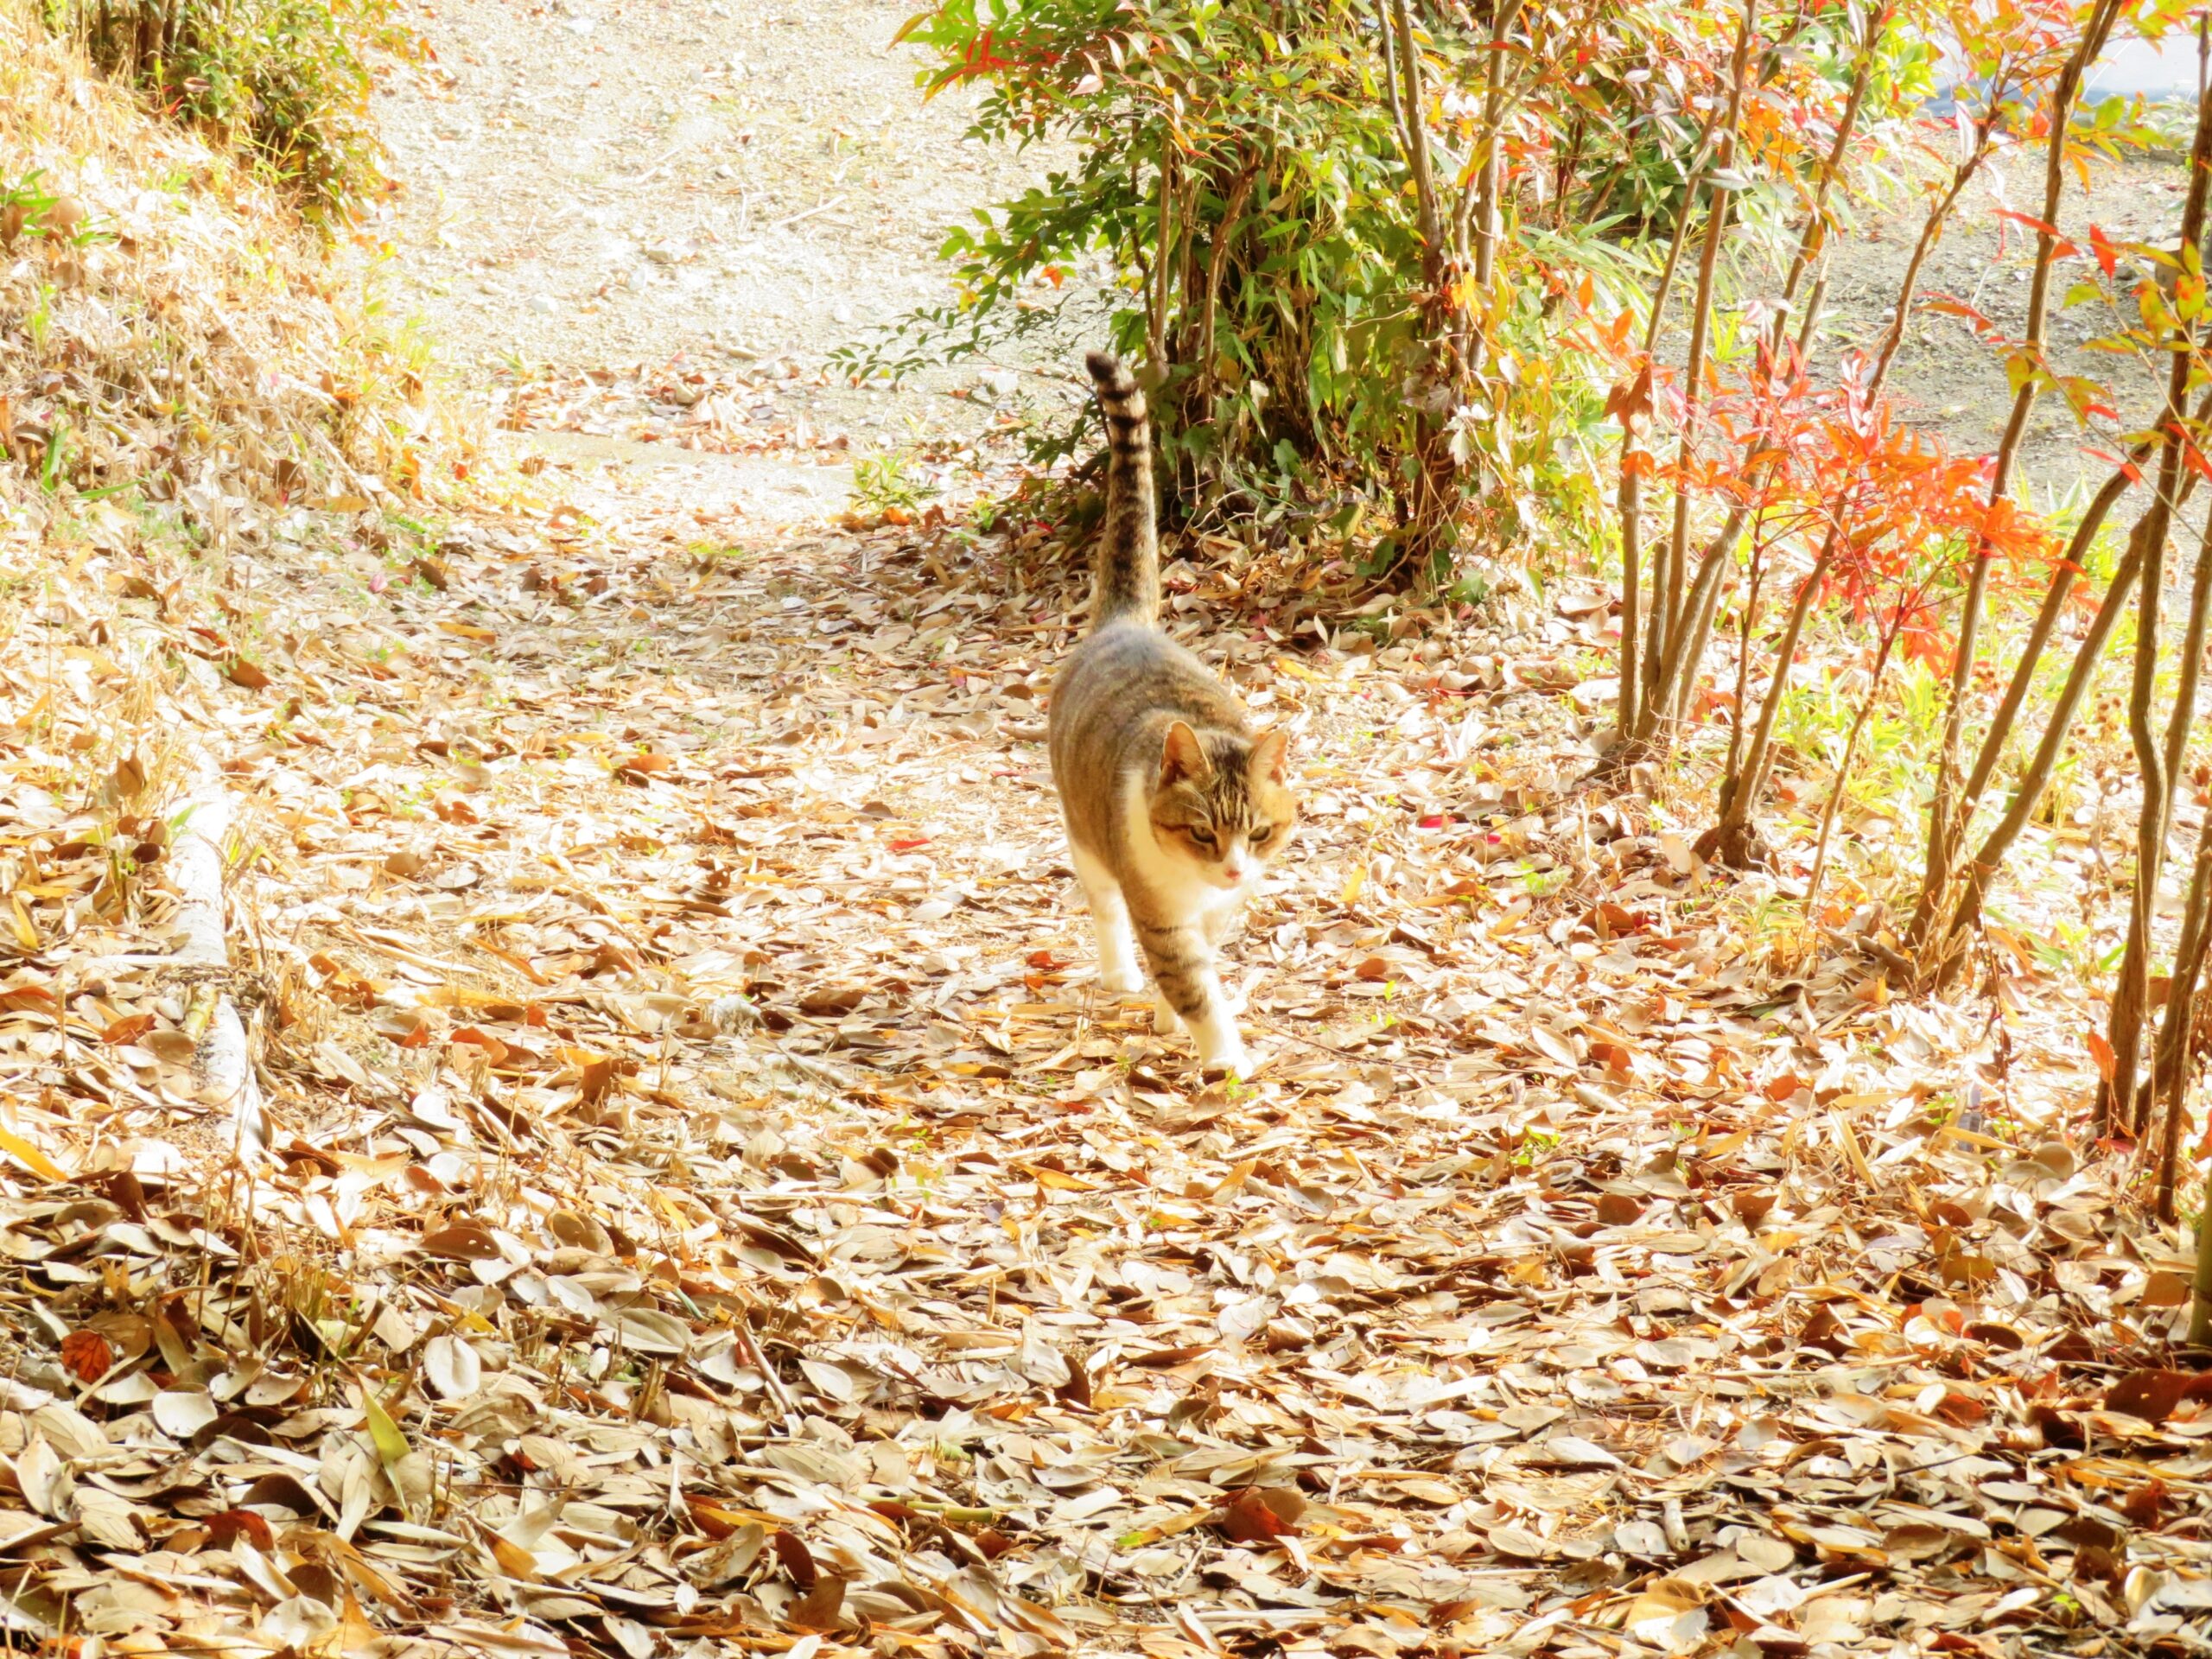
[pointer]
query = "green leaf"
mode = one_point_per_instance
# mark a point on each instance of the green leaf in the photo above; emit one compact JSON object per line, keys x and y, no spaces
{"x":384,"y":1433}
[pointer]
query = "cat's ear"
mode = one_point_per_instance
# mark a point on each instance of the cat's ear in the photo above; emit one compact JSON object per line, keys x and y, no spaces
{"x":1183,"y":756}
{"x":1270,"y":757}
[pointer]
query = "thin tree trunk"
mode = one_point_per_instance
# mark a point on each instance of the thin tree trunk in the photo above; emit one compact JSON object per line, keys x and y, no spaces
{"x":1428,"y":526}
{"x":1390,"y":74}
{"x":2170,"y":1072}
{"x":1945,"y":822}
{"x":1505,"y":13}
{"x":1843,"y":771}
{"x":1731,"y":839}
{"x":1155,"y":321}
{"x":1416,"y":133}
{"x":2055,"y":594}
{"x":2116,"y":1098}
{"x":1667,"y":574}
{"x":1676,"y":243}
{"x":1753,"y":582}
{"x":1216,"y":261}
{"x":2200,"y":1305}
{"x":2087,"y":656}
{"x":1632,"y":508}
{"x":1931,"y":231}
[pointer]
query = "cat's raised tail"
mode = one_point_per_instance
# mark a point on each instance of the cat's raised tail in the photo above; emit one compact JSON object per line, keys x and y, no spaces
{"x":1127,"y":559}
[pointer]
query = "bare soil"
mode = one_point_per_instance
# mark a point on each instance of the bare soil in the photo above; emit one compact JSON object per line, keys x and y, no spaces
{"x":589,"y":188}
{"x":1954,"y":379}
{"x":604,"y":189}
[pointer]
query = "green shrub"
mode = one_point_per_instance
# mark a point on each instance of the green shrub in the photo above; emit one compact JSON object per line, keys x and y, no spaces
{"x":1244,"y":172}
{"x":287,"y":80}
{"x":1361,"y":249}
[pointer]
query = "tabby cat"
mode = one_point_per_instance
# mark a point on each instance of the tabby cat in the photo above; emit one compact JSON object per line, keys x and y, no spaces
{"x":1173,"y":803}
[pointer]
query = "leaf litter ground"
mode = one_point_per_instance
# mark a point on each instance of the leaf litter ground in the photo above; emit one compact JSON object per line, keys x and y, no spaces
{"x":707,"y":1208}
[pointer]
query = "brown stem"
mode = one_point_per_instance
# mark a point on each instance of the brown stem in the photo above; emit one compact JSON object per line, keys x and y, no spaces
{"x":1676,"y":243}
{"x":1667,"y":576}
{"x":1943,"y":835}
{"x":2125,"y":1034}
{"x":1390,"y":74}
{"x":1216,"y":261}
{"x":1570,"y":160}
{"x":1935,"y":880}
{"x":1757,"y":575}
{"x":1416,"y":132}
{"x":1843,"y":771}
{"x":1155,"y":322}
{"x":1633,"y":461}
{"x":2170,"y":1072}
{"x":1634,"y":658}
{"x":1993,"y":743}
{"x":2087,"y":656}
{"x":1698,"y":609}
{"x":1741,"y":791}
{"x":1814,"y":234}
{"x":1491,"y":157}
{"x":2189,"y":677}
{"x":2200,"y":1304}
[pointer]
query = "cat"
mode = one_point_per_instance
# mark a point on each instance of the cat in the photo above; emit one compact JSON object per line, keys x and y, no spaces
{"x":1173,"y":804}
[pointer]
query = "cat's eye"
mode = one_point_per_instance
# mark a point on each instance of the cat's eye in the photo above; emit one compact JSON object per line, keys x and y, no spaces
{"x":1262,"y":836}
{"x":1203,"y":837}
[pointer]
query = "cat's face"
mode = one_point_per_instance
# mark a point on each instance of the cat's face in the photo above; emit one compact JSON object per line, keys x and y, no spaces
{"x":1222,"y":804}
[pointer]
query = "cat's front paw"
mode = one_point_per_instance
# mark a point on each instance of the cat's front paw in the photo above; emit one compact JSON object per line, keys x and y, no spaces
{"x":1117,"y":979}
{"x":1225,"y":1054}
{"x":1164,"y":1021}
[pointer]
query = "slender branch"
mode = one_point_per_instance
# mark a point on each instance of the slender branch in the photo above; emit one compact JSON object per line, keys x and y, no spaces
{"x":2170,"y":1072}
{"x":1947,"y":809}
{"x":2036,"y":777}
{"x":1490,"y":160}
{"x":1224,"y":239}
{"x":1843,"y":769}
{"x":2116,"y":1098}
{"x":1416,"y":132}
{"x":1667,"y":574}
{"x":1633,"y":463}
{"x":1390,"y":75}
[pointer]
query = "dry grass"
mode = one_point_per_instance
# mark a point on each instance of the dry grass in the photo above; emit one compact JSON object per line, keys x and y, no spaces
{"x":191,"y":343}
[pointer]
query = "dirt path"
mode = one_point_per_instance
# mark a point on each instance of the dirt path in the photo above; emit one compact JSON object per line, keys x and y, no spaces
{"x":734,"y":188}
{"x":604,"y":197}
{"x":684,"y":996}
{"x":678,"y":1001}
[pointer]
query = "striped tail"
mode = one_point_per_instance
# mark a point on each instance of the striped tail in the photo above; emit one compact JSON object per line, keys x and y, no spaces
{"x":1128,"y":546}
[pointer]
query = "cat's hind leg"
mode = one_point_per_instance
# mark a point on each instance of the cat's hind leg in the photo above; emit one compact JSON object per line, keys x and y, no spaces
{"x":1110,"y":915}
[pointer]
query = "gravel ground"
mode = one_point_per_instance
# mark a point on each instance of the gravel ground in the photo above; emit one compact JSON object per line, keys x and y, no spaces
{"x":1954,"y":381}
{"x":598,"y":182}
